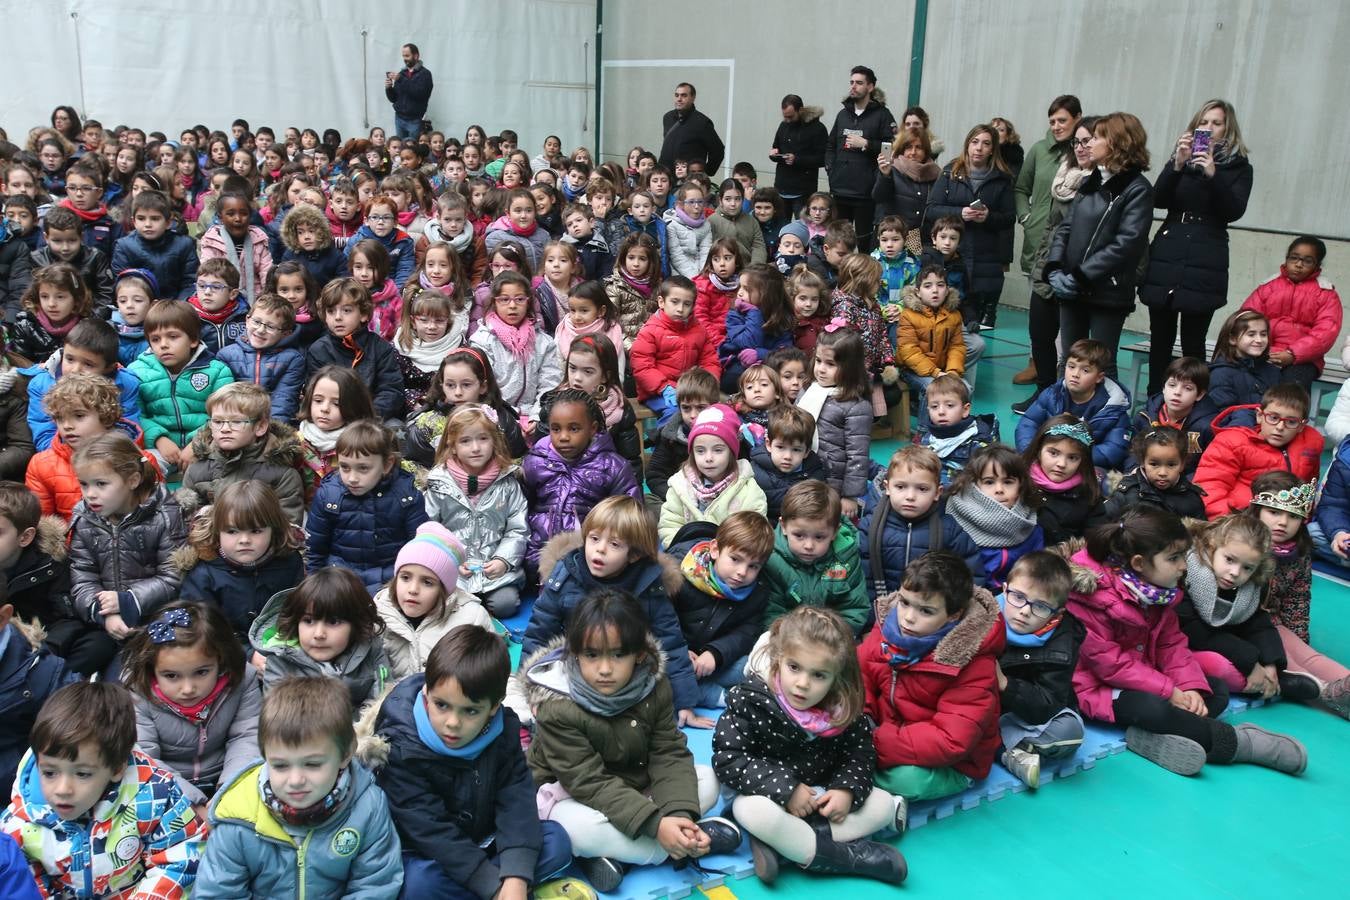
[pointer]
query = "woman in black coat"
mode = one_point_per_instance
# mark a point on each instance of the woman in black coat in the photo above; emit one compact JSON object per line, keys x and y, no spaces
{"x":1094,"y":256}
{"x":904,"y":182}
{"x":1187,"y":275}
{"x":979,"y":173}
{"x":799,"y":152}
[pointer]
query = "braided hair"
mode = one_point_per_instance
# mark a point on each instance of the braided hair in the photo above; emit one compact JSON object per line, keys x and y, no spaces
{"x":572,"y":395}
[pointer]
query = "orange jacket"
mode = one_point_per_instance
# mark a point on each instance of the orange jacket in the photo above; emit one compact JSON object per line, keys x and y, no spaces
{"x":928,"y":340}
{"x":52,"y":477}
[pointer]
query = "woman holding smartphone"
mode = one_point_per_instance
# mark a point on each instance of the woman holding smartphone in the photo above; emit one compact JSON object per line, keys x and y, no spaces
{"x":1203,"y":187}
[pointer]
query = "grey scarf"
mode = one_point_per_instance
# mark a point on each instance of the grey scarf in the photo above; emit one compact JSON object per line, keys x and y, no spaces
{"x":1203,"y":592}
{"x":988,"y":522}
{"x":591,"y":700}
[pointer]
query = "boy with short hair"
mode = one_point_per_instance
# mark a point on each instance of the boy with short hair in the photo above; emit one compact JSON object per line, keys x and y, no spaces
{"x":344,"y":213}
{"x":96,"y":817}
{"x":899,"y":268}
{"x":21,"y":219}
{"x":669,"y":344}
{"x":945,"y":251}
{"x":816,"y":558}
{"x":1182,"y":404}
{"x":85,"y":196}
{"x":1086,"y":392}
{"x":929,"y":337}
{"x":63,"y":231}
{"x":308,"y":818}
{"x":603,"y":198}
{"x":721,"y":600}
{"x":263,"y":355}
{"x":219,"y":304}
{"x":786,"y":458}
{"x":1281,"y":439}
{"x":91,"y":348}
{"x":1039,"y":718}
{"x":177,"y":375}
{"x":953,"y":433}
{"x":171,"y":257}
{"x":904,"y":517}
{"x":241,"y":443}
{"x":930,"y":680}
{"x":345,"y":307}
{"x":459,"y":791}
{"x":824,"y":254}
{"x":573,"y":185}
{"x":695,"y":390}
{"x":596,"y":259}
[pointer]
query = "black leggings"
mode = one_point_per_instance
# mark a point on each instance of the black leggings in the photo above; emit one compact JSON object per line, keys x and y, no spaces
{"x":1043,"y":328}
{"x":1300,"y":373}
{"x":86,"y":648}
{"x":1162,"y":328}
{"x":1153,"y":713}
{"x":1078,"y":321}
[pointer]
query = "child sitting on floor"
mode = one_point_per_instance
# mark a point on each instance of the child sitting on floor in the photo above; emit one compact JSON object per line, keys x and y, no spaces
{"x":953,"y":433}
{"x":713,"y":483}
{"x":815,"y":559}
{"x":994,"y":501}
{"x":1183,"y":403}
{"x":785,"y":457}
{"x":1071,"y":497}
{"x":1160,"y":478}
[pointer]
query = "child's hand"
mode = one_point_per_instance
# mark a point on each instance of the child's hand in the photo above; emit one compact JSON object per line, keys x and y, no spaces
{"x":258,"y":661}
{"x":891,"y":312}
{"x":464,"y":570}
{"x":704,"y":663}
{"x":851,"y":508}
{"x":186,"y":457}
{"x":512,"y":889}
{"x":1282,"y":358}
{"x":748,"y":357}
{"x":673,"y":835}
{"x":107,"y":603}
{"x":744,"y":305}
{"x":1272,"y":680}
{"x":494,"y":568}
{"x":1340,"y":544}
{"x":835,"y":804}
{"x":803,"y":801}
{"x":1191,"y":701}
{"x":694,"y":720}
{"x":116,"y":627}
{"x":168,"y":449}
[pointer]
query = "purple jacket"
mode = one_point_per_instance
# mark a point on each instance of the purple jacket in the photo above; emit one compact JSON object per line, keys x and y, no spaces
{"x":561,"y":493}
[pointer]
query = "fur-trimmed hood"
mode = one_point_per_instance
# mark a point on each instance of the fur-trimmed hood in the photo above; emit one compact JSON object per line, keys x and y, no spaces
{"x":1082,"y":579}
{"x":558,"y":546}
{"x":909,"y":296}
{"x":51,"y":537}
{"x":975,"y":631}
{"x":32,"y":632}
{"x":808,"y":114}
{"x":303,"y":214}
{"x":372,"y":749}
{"x":541,"y":677}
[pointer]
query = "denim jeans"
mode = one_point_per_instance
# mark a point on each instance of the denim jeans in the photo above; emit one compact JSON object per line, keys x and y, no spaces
{"x":407,"y":129}
{"x":713,"y":688}
{"x":423,"y":878}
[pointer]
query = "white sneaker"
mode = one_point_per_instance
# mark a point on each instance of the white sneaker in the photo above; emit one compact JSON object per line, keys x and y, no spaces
{"x":1025,"y":765}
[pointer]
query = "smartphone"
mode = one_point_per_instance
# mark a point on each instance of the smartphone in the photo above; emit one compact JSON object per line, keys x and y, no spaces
{"x":1200,"y":141}
{"x":886,"y":154}
{"x":977,"y":203}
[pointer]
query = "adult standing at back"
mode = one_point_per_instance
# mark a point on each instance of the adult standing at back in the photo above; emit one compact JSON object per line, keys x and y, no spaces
{"x":799,"y":152}
{"x":689,"y":134}
{"x":410,"y":92}
{"x":1032,"y":192}
{"x":860,"y":131}
{"x":1203,"y":188}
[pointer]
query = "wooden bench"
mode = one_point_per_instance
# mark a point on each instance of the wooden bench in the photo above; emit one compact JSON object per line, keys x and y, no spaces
{"x":1334,"y":374}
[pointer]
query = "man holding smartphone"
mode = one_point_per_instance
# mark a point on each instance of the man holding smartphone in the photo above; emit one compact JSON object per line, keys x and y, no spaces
{"x":860,"y":129}
{"x":410,"y":92}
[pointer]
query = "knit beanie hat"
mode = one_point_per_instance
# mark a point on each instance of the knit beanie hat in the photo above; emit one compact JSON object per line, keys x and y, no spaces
{"x":437,"y":549}
{"x":720,"y":421}
{"x":797,"y":228}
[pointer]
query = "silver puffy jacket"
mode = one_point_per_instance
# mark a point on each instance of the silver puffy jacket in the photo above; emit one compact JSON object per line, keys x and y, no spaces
{"x":493,"y":527}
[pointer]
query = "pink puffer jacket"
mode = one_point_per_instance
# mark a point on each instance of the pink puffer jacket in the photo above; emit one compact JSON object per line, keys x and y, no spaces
{"x":1305,"y":317}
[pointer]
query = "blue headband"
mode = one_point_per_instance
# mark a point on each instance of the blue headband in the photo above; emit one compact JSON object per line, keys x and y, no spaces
{"x":1074,"y":431}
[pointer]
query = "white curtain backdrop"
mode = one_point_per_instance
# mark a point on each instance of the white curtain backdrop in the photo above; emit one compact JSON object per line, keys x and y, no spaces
{"x":523,"y":64}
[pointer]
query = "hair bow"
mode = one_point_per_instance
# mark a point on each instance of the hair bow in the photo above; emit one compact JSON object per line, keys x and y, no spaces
{"x":161,"y":630}
{"x":1074,"y":431}
{"x":485,"y":410}
{"x":835,"y":324}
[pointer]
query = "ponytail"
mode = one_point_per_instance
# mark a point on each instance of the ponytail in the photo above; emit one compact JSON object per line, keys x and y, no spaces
{"x":1145,"y":531}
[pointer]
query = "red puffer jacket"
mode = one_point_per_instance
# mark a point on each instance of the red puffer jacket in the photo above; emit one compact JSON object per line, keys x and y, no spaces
{"x":711,"y":308}
{"x":665,"y":349}
{"x":1238,"y":453}
{"x":51,"y":476}
{"x":1305,"y":316}
{"x":1128,"y":647}
{"x":943,"y":710}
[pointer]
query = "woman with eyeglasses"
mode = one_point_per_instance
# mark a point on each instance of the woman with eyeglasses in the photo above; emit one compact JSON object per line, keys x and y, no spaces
{"x":1204,"y":187}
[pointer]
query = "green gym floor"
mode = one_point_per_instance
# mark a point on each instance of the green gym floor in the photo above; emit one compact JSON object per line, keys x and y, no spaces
{"x":1127,"y":828}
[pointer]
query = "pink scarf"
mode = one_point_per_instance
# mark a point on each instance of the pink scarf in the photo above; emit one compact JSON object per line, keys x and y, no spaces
{"x":642,"y":287}
{"x":509,"y":224}
{"x":1043,"y":481}
{"x":407,"y":216}
{"x":448,"y":289}
{"x":472,"y":485}
{"x":198,"y":711}
{"x":815,"y":721}
{"x":519,"y":339}
{"x":612,"y":405}
{"x":705,"y":494}
{"x":388,"y":310}
{"x":57,"y":331}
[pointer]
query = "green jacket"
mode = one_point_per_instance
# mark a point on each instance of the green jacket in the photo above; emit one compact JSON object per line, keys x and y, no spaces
{"x":1032,"y":194}
{"x":634,"y":768}
{"x":175,"y":405}
{"x":835,"y":580}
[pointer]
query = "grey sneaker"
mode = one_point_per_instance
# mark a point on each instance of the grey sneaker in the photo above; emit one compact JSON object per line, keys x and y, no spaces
{"x":1171,"y":751}
{"x":603,"y":873}
{"x":901,"y":820}
{"x":1025,"y":764}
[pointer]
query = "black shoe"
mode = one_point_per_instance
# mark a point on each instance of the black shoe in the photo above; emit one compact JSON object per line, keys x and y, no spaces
{"x":765,"y":859}
{"x":987,"y":321}
{"x":724,"y":835}
{"x":603,"y":874}
{"x":1298,"y":687}
{"x":1022,"y":407}
{"x":863,"y":858}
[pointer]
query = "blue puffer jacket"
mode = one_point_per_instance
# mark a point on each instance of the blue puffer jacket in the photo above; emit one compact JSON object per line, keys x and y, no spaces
{"x":1240,"y":382}
{"x":279,"y":369}
{"x":325,"y":264}
{"x":745,"y":331}
{"x":652,"y":583}
{"x":363,"y":533}
{"x":226,"y":333}
{"x":1107,"y":416}
{"x":171,"y":257}
{"x":29,"y":673}
{"x":354,"y":853}
{"x":896,"y":542}
{"x":239,"y":591}
{"x":1333,"y":506}
{"x":402,"y":252}
{"x":42,"y":380}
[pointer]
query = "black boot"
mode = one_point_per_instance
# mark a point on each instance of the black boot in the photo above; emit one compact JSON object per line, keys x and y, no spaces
{"x":863,"y":858}
{"x":1299,"y":688}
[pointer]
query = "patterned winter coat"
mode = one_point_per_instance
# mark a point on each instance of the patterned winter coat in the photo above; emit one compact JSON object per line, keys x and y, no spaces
{"x":132,"y":556}
{"x":630,"y":305}
{"x":141,"y":840}
{"x":363,"y":533}
{"x":561,"y":492}
{"x":492,"y":526}
{"x":869,"y":324}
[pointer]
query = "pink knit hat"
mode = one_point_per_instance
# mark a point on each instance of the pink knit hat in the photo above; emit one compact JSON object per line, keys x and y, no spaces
{"x":720,"y":421}
{"x":437,"y":549}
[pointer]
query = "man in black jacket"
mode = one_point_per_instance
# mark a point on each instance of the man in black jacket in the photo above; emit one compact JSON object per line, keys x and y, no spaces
{"x":799,"y":151}
{"x":410,"y":92}
{"x":689,"y":134}
{"x":860,"y":130}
